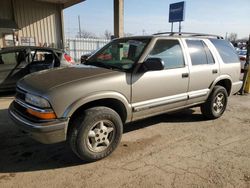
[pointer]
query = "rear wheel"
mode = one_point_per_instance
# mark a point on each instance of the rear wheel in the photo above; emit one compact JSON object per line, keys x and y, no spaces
{"x":96,"y":133}
{"x":216,"y":103}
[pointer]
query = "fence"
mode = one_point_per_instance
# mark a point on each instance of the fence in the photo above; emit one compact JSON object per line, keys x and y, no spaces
{"x":76,"y":47}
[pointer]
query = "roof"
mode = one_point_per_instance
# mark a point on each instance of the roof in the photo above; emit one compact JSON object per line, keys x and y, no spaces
{"x":65,"y":3}
{"x":188,"y":34}
{"x":8,"y":24}
{"x":19,"y":48}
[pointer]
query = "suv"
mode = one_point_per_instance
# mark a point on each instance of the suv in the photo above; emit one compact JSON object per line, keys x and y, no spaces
{"x":128,"y":79}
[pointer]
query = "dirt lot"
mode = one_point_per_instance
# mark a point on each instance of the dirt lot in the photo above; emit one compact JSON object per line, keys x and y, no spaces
{"x":171,"y":150}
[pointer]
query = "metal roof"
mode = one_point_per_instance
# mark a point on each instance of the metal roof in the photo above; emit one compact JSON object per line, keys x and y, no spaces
{"x":20,"y":48}
{"x":8,"y":24}
{"x":65,"y":3}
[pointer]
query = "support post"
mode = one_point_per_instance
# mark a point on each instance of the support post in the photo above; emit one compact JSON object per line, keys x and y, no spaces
{"x":246,"y":78}
{"x":118,"y":18}
{"x":172,"y":27}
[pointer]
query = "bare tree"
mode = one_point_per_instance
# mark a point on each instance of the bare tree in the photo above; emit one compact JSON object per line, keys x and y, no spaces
{"x":85,"y":34}
{"x":107,"y":34}
{"x":128,"y":34}
{"x":232,"y":37}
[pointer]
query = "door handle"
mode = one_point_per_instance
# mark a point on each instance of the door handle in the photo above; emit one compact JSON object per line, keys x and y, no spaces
{"x":185,"y":75}
{"x":215,"y":71}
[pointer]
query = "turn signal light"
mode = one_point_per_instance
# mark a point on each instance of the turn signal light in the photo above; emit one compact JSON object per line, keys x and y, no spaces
{"x":40,"y":115}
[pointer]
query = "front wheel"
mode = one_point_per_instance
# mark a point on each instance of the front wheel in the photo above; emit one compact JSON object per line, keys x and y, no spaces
{"x":216,"y":103}
{"x":96,"y":133}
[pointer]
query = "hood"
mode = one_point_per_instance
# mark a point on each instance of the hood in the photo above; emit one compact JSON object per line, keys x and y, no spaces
{"x":46,"y":80}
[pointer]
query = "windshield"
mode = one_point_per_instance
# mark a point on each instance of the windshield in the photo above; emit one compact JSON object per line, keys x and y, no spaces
{"x":119,"y":54}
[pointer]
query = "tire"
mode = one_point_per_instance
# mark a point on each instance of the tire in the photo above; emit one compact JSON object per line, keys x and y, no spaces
{"x":216,"y":103}
{"x":95,"y":134}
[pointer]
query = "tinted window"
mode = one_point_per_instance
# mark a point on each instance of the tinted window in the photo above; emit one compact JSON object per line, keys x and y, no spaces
{"x":170,"y":52}
{"x":8,"y":65}
{"x":8,"y":58}
{"x":199,"y":52}
{"x":210,"y":58}
{"x":226,"y":51}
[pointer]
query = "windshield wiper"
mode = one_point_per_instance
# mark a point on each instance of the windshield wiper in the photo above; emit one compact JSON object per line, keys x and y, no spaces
{"x":98,"y":64}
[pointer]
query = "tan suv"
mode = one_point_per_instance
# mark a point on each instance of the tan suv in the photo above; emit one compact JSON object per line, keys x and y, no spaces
{"x":128,"y":79}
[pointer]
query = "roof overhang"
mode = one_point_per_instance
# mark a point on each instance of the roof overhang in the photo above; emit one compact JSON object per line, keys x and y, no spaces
{"x":64,"y":3}
{"x":8,"y":24}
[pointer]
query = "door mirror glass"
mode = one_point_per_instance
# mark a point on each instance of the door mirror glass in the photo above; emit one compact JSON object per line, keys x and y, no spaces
{"x":84,"y":58}
{"x":153,"y":64}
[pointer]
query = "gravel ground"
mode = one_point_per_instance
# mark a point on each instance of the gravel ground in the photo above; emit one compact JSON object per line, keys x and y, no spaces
{"x":172,"y":150}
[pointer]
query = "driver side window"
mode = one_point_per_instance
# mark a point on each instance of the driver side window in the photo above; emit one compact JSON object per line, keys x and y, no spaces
{"x":170,"y":52}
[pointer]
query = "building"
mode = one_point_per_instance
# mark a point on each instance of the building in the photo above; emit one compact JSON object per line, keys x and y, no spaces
{"x":32,"y":22}
{"x":40,"y":22}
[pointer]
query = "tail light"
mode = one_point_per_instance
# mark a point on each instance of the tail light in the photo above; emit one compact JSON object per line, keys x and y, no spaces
{"x":242,"y":58}
{"x":69,"y":59}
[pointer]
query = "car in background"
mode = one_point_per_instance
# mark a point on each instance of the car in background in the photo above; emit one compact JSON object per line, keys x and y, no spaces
{"x":17,"y":62}
{"x":242,"y":55}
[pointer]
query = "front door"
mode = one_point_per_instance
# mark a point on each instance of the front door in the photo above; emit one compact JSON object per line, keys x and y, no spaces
{"x":155,"y":92}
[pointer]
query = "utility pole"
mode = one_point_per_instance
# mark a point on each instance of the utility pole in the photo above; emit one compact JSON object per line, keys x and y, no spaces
{"x":179,"y":27}
{"x":80,"y":30}
{"x":143,"y":32}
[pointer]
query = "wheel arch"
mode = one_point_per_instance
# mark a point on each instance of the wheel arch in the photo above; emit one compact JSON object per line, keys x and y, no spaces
{"x":113,"y":100}
{"x":224,"y":81}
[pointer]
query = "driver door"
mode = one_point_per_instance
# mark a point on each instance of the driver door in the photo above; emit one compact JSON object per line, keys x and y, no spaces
{"x":155,"y":92}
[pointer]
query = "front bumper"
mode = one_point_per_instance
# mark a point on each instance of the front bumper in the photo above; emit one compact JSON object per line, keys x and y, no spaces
{"x":45,"y":132}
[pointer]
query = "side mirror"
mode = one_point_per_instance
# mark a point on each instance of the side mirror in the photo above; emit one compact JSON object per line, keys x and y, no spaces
{"x":84,"y":58}
{"x":154,"y":64}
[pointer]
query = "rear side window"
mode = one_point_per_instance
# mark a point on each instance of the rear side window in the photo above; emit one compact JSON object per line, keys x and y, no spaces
{"x":170,"y":52}
{"x":226,"y":51}
{"x":199,"y":52}
{"x":9,"y":58}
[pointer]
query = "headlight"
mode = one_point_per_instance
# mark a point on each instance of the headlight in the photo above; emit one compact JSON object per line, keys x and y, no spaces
{"x":36,"y":101}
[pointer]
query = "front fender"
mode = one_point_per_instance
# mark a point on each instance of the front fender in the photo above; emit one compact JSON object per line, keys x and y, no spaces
{"x":98,"y":96}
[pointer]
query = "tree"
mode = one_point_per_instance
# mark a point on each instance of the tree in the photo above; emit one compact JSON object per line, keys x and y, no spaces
{"x":232,"y":37}
{"x":107,"y":34}
{"x":85,"y":34}
{"x":128,"y":34}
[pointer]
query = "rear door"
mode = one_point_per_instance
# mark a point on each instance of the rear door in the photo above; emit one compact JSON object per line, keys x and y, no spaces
{"x":203,"y":69}
{"x":41,"y":60}
{"x":9,"y":69}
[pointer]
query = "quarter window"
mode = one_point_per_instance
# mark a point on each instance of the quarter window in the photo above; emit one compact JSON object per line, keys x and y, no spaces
{"x":199,"y":52}
{"x":170,"y":52}
{"x":226,"y":51}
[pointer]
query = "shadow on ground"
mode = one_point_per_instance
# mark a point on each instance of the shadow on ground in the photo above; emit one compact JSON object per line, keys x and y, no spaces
{"x":19,"y":153}
{"x":7,"y":94}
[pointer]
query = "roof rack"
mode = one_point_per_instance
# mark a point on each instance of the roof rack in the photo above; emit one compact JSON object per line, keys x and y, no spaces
{"x":188,"y":34}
